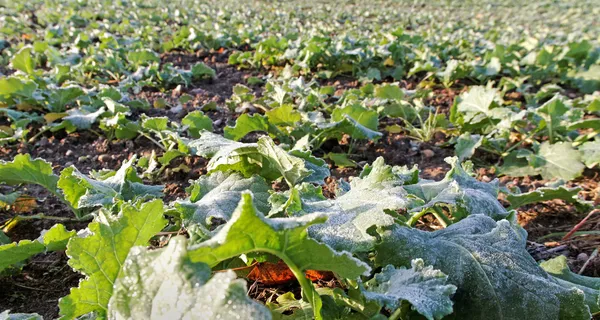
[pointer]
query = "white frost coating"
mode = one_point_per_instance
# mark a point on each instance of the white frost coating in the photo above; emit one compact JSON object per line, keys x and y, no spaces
{"x":488,"y":262}
{"x":424,"y":287}
{"x":83,"y":120}
{"x":163,"y":284}
{"x":219,"y":195}
{"x":351,"y":214}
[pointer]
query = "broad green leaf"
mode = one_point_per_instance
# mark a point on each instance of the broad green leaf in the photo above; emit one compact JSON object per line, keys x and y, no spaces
{"x":424,"y":287}
{"x":286,"y":303}
{"x":475,"y":105}
{"x":263,"y":158}
{"x":23,"y":60}
{"x":142,"y":57}
{"x":83,"y":191}
{"x":201,"y":70}
{"x":570,"y":195}
{"x":248,"y":123}
{"x":466,"y":145}
{"x":24,"y":170}
{"x":515,"y":166}
{"x":348,"y":126}
{"x":101,"y":254}
{"x":196,"y":121}
{"x":15,"y":87}
{"x":590,"y":153}
{"x":559,"y":160}
{"x":284,"y":115}
{"x":155,"y":123}
{"x":218,"y":195}
{"x":4,"y":239}
{"x":54,"y":239}
{"x":559,"y":268}
{"x":61,"y":97}
{"x":487,"y":261}
{"x":363,"y":116}
{"x":388,"y":91}
{"x":341,"y":160}
{"x":165,"y":284}
{"x":286,"y":238}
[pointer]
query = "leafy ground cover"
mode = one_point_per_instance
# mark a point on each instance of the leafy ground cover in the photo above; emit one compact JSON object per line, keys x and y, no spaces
{"x":299,"y":160}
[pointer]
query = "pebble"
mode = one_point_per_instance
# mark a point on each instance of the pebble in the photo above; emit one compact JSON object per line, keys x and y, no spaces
{"x":68,"y":164}
{"x":69,"y":153}
{"x":486,"y":179}
{"x":218,"y":122}
{"x":427,"y":153}
{"x":104,"y":158}
{"x":583,"y":257}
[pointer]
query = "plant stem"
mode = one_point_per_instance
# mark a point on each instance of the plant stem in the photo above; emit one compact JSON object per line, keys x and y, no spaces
{"x":42,"y":131}
{"x":442,"y":218}
{"x":154,"y":141}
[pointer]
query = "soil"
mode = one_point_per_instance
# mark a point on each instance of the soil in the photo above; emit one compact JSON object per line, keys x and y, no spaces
{"x":47,"y":277}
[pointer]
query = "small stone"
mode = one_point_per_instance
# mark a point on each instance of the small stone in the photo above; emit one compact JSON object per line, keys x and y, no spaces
{"x":104,"y":158}
{"x":486,"y":179}
{"x":69,"y":153}
{"x":43,"y":142}
{"x":218,"y":122}
{"x":68,"y":164}
{"x":82,"y":158}
{"x":427,"y":153}
{"x":583,"y":257}
{"x":49,"y":151}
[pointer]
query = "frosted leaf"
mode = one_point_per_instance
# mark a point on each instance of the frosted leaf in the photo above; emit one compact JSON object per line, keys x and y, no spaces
{"x":424,"y":287}
{"x":351,"y":214}
{"x":164,"y":284}
{"x":217,"y":196}
{"x":124,"y":184}
{"x":487,"y":261}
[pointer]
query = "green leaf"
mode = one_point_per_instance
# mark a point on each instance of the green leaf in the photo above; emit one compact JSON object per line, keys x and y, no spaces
{"x":263,"y":158}
{"x":488,"y":262}
{"x":155,"y":123}
{"x":466,"y":145}
{"x":341,"y":160}
{"x":164,"y":283}
{"x":346,"y":126}
{"x":424,"y":287}
{"x":101,"y":254}
{"x":24,"y":170}
{"x":16,"y":252}
{"x":61,"y":97}
{"x":475,"y":105}
{"x":82,"y":191}
{"x":590,"y":153}
{"x":4,"y":239}
{"x":196,"y":121}
{"x":23,"y":60}
{"x":8,"y":199}
{"x":284,"y":115}
{"x":201,"y":70}
{"x":570,"y":195}
{"x":388,"y":91}
{"x":218,"y":195}
{"x":248,"y":123}
{"x":559,"y":268}
{"x":15,"y":87}
{"x":365,"y":117}
{"x":559,"y":160}
{"x":142,"y":57}
{"x":54,"y":239}
{"x":286,"y":238}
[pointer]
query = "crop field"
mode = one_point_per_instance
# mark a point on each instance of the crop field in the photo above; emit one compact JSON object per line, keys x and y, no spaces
{"x":306,"y":159}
